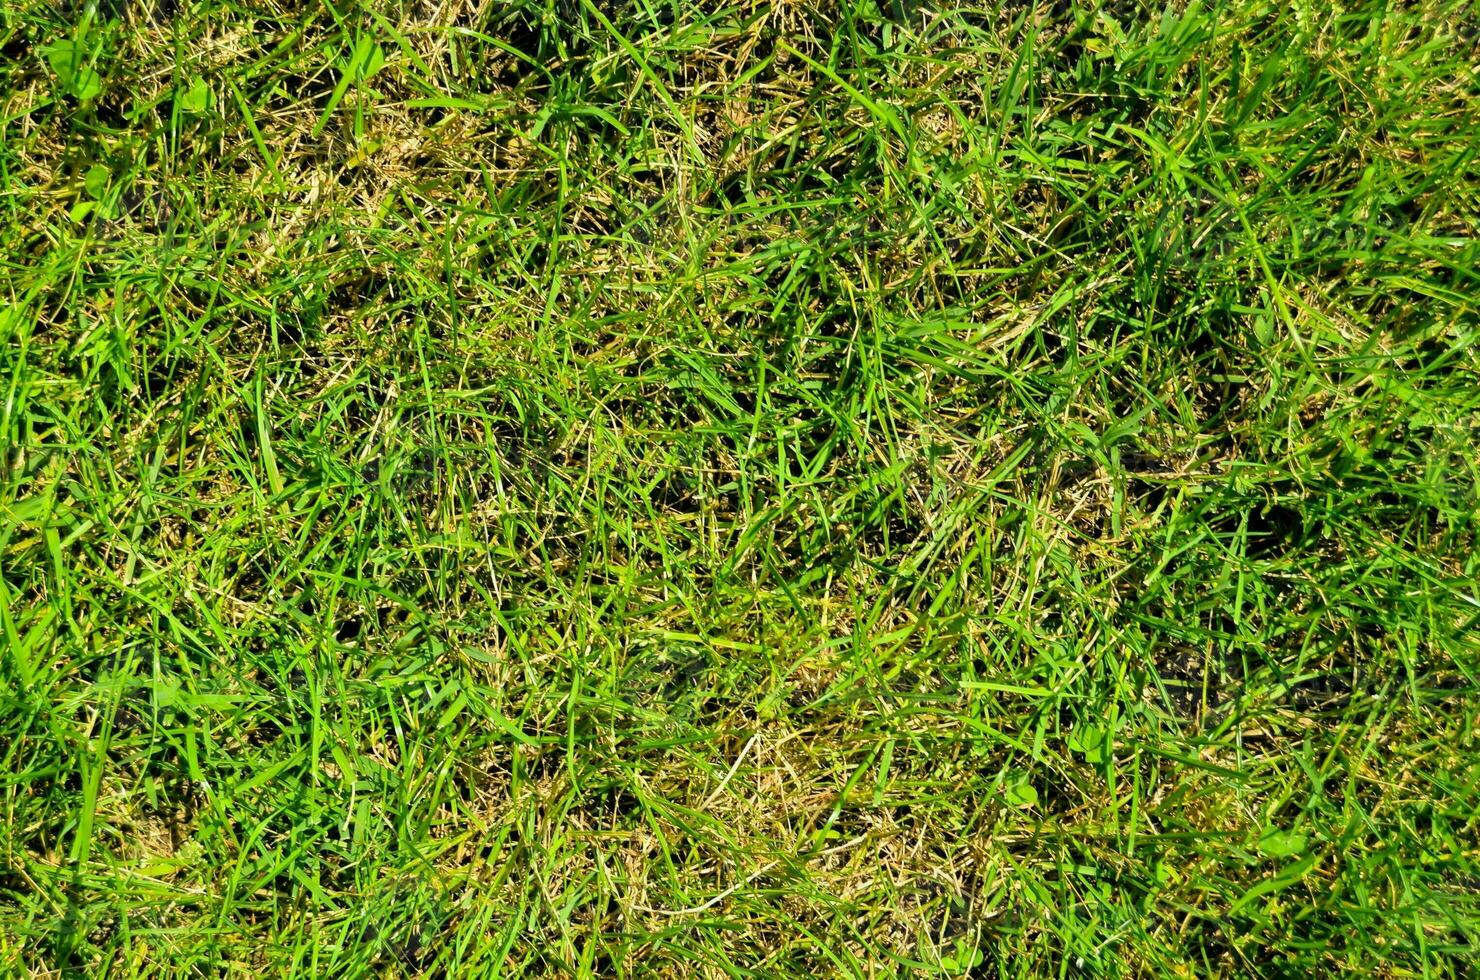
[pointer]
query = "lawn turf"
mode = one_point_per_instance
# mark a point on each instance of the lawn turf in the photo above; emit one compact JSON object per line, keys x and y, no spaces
{"x":652,"y":489}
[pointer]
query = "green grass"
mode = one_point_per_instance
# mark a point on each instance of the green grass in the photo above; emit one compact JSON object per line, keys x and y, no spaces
{"x":622,"y":489}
